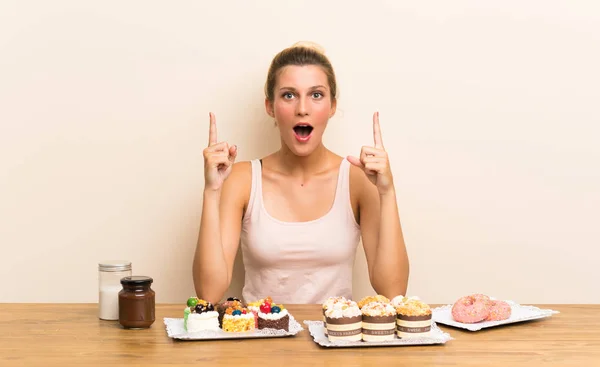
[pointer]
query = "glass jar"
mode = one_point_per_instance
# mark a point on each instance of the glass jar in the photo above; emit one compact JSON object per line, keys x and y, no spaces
{"x":136,"y":302}
{"x":110,"y":274}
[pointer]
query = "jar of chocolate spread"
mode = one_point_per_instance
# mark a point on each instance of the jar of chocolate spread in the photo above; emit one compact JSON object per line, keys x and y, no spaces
{"x":136,"y":302}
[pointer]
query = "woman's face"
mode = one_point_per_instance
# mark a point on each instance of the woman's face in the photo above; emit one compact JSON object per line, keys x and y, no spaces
{"x":302,"y":105}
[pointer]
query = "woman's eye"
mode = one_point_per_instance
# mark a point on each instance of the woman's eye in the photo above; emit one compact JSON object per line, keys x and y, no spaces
{"x":317,"y":95}
{"x":288,"y":95}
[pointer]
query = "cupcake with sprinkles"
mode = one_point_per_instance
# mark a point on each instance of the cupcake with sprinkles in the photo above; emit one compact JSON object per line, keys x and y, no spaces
{"x":401,"y":300}
{"x":344,"y":322}
{"x":370,"y":299}
{"x":273,"y":316}
{"x":413,"y":319}
{"x":200,"y":315}
{"x":329,"y":303}
{"x":378,"y":322}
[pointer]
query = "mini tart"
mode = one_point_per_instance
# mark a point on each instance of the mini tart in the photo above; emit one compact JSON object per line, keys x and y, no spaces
{"x":378,"y":322}
{"x":413,"y":319}
{"x":378,"y":298}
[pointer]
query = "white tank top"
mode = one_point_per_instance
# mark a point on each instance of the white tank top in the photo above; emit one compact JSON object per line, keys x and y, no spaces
{"x":299,"y":262}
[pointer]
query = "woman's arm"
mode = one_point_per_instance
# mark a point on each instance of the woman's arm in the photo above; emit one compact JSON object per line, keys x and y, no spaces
{"x":220,"y":228}
{"x":383,"y":241}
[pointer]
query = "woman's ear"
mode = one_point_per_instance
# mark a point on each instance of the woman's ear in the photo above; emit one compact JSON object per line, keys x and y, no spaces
{"x":269,"y":108}
{"x":333,"y":108}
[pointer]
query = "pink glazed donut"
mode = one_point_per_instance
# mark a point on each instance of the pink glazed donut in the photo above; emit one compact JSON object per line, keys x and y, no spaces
{"x":471,"y":309}
{"x":499,"y":310}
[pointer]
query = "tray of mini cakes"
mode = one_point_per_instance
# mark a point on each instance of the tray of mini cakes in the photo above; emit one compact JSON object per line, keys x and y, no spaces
{"x":376,"y":321}
{"x":479,"y":311}
{"x":232,"y":319}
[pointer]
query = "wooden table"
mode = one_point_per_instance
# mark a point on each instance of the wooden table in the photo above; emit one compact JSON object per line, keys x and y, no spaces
{"x":71,"y":334}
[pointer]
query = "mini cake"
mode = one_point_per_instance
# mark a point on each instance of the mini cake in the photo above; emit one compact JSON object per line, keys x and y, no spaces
{"x":200,"y":315}
{"x":237,"y":320}
{"x":413,"y":319}
{"x":273,"y":317}
{"x":344,"y":322}
{"x":378,"y":322}
{"x":328,"y":304}
{"x":254,"y":307}
{"x":378,"y":298}
{"x":222,"y":307}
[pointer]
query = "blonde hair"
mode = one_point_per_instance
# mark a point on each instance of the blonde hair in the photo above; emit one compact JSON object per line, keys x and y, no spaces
{"x":301,"y":53}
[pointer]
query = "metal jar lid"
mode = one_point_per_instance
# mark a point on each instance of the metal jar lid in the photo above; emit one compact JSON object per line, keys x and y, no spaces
{"x":114,"y":266}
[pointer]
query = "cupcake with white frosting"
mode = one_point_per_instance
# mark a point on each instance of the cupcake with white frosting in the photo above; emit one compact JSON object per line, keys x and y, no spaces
{"x":344,"y":322}
{"x":378,"y":322}
{"x":413,"y":319}
{"x":330,"y":302}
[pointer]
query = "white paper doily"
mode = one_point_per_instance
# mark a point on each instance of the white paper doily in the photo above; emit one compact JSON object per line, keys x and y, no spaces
{"x":519,"y":313}
{"x":176,"y":330}
{"x":316,"y":329}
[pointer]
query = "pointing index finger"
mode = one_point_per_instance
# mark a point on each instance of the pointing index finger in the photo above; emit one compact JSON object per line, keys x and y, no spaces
{"x":377,"y":131}
{"x":212,"y":132}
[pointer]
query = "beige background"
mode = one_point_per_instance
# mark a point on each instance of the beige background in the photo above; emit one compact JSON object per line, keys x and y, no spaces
{"x":489,"y":111}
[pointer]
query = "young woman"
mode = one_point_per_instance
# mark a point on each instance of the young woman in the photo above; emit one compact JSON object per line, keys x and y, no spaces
{"x":299,"y":212}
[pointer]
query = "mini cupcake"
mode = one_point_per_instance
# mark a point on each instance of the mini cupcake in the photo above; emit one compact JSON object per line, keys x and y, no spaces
{"x":328,"y":304}
{"x":222,"y":307}
{"x":236,"y":320}
{"x":200,"y":315}
{"x":344,"y":322}
{"x":378,"y":298}
{"x":273,"y":317}
{"x":413,"y":319}
{"x":378,"y":322}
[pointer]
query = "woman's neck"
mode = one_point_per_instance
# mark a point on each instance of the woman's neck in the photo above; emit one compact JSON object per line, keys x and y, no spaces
{"x":305,"y":166}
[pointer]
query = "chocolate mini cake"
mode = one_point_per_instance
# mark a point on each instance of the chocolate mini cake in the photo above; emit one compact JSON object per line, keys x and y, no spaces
{"x":344,"y":322}
{"x":272,"y":316}
{"x":413,"y":319}
{"x":378,"y":322}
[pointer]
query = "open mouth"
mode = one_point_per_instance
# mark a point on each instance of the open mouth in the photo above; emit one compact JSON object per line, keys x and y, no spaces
{"x":303,"y":130}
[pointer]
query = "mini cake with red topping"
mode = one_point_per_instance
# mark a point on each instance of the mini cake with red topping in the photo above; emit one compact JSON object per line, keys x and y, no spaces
{"x":344,"y":322}
{"x":378,"y":322}
{"x":200,"y":315}
{"x":413,"y":319}
{"x":273,"y":316}
{"x":238,"y":319}
{"x":254,"y":307}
